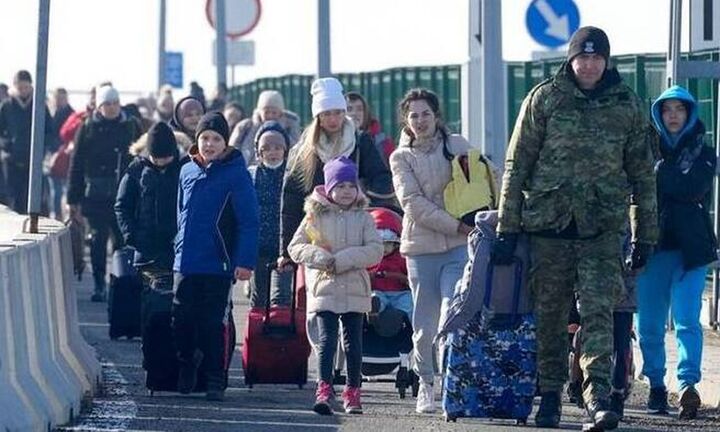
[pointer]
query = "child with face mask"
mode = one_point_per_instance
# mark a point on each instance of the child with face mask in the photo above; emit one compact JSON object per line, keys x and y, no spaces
{"x":336,"y":242}
{"x":271,"y":148}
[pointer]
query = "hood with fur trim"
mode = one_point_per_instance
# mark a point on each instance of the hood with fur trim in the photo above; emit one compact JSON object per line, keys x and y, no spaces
{"x":318,"y":202}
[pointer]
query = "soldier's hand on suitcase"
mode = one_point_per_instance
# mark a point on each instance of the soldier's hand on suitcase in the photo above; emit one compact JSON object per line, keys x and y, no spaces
{"x":242,"y":274}
{"x":503,"y":251}
{"x":464,"y":229}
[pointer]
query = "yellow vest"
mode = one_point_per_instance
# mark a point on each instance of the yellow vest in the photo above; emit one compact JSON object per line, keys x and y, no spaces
{"x":463,"y":196}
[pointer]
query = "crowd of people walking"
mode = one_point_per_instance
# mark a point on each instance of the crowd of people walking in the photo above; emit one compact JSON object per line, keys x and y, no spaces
{"x":608,"y":195}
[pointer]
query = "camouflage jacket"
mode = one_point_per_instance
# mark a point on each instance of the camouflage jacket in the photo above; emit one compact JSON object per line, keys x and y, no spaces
{"x":578,"y":157}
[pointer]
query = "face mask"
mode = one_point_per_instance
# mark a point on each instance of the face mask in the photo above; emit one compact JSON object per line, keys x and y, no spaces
{"x":273,"y":166}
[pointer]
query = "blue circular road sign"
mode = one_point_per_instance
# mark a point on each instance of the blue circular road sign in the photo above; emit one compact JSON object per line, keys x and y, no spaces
{"x":552,"y":22}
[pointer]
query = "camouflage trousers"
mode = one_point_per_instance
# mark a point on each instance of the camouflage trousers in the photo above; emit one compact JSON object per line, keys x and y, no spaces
{"x":559,"y":268}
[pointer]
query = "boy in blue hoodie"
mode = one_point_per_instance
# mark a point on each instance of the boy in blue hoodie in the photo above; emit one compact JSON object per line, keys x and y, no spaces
{"x":674,"y":278}
{"x":216,"y":242}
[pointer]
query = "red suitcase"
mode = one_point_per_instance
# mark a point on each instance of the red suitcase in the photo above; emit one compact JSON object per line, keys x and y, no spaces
{"x":276,"y":349}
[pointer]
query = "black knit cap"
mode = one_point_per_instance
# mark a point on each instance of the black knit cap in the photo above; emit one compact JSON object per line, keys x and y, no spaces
{"x":214,"y":121}
{"x":589,"y":40}
{"x":161,"y":141}
{"x":272,"y":126}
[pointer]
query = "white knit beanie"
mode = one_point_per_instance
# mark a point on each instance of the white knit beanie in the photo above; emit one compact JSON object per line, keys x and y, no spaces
{"x":105,"y":94}
{"x":327,"y":95}
{"x":271,"y":98}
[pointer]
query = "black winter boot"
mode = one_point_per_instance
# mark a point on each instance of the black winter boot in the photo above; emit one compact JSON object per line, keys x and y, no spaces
{"x":601,"y":414}
{"x":548,"y":415}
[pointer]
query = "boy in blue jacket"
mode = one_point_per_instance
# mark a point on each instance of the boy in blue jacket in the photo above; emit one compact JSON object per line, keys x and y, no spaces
{"x":216,"y":243}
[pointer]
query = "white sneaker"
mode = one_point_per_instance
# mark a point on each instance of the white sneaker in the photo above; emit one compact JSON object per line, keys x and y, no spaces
{"x":425,"y":399}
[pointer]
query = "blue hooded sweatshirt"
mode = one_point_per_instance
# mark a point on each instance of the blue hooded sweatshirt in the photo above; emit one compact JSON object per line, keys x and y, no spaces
{"x":675,"y":92}
{"x":685,"y":175}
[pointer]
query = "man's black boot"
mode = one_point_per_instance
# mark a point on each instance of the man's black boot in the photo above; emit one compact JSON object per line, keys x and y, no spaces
{"x":548,"y":415}
{"x":601,"y":414}
{"x":617,"y":403}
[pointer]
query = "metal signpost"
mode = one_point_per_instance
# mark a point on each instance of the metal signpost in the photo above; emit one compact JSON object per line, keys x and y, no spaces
{"x":37,"y":138}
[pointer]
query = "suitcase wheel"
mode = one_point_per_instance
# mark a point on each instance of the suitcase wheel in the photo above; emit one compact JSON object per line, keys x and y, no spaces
{"x":450,"y":418}
{"x":415,"y":380}
{"x":521,"y":422}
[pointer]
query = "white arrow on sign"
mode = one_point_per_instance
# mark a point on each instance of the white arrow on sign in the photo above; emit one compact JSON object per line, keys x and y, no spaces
{"x":558,"y":26}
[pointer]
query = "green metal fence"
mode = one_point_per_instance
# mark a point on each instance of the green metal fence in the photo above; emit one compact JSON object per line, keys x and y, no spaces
{"x":644,"y":73}
{"x":384,"y":89}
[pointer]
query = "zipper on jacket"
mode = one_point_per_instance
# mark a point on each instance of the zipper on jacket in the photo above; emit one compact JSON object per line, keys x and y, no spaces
{"x":226,"y":264}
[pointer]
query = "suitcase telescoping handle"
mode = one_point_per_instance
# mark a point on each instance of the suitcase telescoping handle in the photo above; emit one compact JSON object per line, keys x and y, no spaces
{"x":517,"y":285}
{"x":272,"y":267}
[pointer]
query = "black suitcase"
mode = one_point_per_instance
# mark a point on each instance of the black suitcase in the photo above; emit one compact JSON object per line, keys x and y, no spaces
{"x":124,"y":296}
{"x":158,"y":346}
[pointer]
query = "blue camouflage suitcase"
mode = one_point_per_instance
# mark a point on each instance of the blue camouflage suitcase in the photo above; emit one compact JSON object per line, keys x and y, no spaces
{"x":491,"y":364}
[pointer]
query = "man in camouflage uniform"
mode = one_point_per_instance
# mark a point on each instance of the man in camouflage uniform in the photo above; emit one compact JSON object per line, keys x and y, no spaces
{"x":577,"y":156}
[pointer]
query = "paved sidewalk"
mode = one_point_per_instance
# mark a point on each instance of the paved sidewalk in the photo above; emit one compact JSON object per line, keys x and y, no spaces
{"x":709,"y":386}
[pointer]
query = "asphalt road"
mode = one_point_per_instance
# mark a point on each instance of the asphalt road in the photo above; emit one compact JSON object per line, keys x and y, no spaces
{"x":126,"y":405}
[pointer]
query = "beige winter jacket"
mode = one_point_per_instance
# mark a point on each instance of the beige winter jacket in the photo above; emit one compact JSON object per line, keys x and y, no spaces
{"x":348,"y":236}
{"x":420,"y":174}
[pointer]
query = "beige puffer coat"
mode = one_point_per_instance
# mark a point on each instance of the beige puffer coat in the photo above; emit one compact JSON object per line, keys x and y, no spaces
{"x":420,"y":174}
{"x":348,"y":236}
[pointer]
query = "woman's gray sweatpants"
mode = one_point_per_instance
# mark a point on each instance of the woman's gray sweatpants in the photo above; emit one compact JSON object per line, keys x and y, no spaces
{"x":432,"y":281}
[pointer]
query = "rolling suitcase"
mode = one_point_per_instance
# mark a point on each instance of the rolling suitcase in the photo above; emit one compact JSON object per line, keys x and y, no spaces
{"x":491,"y":361}
{"x":158,"y":347}
{"x":124,"y":304}
{"x":276,"y":348}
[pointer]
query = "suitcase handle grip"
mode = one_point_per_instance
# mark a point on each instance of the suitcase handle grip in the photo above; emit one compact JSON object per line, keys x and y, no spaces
{"x":273,"y":267}
{"x":517,"y":286}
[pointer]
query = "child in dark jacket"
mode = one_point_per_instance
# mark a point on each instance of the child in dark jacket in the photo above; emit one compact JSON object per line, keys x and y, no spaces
{"x":145,"y":207}
{"x":674,"y":279}
{"x":145,"y":211}
{"x":216,"y":243}
{"x":271,"y":147}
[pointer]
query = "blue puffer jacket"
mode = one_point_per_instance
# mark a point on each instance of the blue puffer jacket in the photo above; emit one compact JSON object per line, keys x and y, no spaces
{"x":217,"y":217}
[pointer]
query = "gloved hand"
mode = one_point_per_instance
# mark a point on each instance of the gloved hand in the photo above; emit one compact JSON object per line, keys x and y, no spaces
{"x":503,"y":250}
{"x":638,"y":256}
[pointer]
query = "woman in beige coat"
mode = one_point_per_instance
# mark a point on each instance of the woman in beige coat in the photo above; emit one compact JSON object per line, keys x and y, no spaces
{"x":336,"y":242}
{"x":433,"y":241}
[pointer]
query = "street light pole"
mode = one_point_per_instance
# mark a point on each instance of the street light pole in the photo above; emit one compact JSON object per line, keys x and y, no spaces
{"x":161,"y":44}
{"x":324,"y":69}
{"x":220,"y":42}
{"x":37,"y":137}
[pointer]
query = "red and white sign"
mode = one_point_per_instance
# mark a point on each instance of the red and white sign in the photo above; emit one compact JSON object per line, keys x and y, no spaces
{"x":241,"y":16}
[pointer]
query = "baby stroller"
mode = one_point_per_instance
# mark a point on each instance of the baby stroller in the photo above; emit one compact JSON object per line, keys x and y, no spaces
{"x":387,"y":337}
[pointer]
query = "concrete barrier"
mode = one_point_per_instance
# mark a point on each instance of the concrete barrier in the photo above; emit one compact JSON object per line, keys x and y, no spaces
{"x":46,"y":368}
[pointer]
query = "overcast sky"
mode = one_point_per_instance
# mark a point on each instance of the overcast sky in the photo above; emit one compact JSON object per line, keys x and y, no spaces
{"x":94,"y":40}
